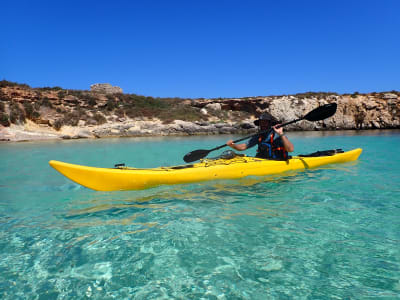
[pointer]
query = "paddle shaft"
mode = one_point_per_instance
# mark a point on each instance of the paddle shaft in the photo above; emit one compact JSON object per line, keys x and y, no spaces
{"x":262,"y":132}
{"x":317,"y":114}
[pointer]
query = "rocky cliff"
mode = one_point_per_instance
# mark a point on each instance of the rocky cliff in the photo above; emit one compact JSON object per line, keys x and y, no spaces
{"x":52,"y":113}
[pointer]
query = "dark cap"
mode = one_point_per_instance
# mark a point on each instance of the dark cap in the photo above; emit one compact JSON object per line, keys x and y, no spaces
{"x":266,"y":116}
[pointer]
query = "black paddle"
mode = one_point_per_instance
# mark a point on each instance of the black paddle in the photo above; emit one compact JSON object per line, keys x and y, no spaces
{"x":317,"y":114}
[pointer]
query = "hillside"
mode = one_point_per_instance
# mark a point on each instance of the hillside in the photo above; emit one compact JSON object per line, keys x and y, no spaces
{"x":51,"y":113}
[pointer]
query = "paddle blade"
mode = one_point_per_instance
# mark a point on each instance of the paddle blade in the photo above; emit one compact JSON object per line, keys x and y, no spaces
{"x":322,"y":112}
{"x":195,"y":155}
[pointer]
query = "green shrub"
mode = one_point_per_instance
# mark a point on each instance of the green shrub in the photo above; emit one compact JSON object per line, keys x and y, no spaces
{"x":134,"y":112}
{"x":185,"y":113}
{"x":46,"y":102}
{"x":120,"y":112}
{"x":17,"y":115}
{"x":148,"y":102}
{"x":99,"y":118}
{"x":395,"y":92}
{"x":318,"y":95}
{"x":28,"y":107}
{"x":77,"y":93}
{"x":48,"y":88}
{"x":60,"y":110}
{"x":111,"y":104}
{"x":61,"y":94}
{"x":166,"y":109}
{"x":2,"y":107}
{"x":4,"y":97}
{"x":72,"y":118}
{"x":14,"y":117}
{"x":4,"y":119}
{"x":5,"y":83}
{"x":91,"y":100}
{"x":58,"y":124}
{"x":110,"y":97}
{"x":132,"y":100}
{"x":36,"y":105}
{"x":359,"y":119}
{"x":35,"y":114}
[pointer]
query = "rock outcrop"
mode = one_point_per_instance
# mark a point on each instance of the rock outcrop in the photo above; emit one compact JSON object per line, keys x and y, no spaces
{"x":369,"y":111}
{"x":105,"y":88}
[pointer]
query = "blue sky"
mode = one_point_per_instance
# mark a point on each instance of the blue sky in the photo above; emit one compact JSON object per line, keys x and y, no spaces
{"x":203,"y":48}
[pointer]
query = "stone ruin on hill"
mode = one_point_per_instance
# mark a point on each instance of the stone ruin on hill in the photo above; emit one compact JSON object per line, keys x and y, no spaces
{"x":105,"y":88}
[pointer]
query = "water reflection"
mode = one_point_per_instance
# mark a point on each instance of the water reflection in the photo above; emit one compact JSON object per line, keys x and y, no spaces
{"x":220,"y":191}
{"x":223,"y":197}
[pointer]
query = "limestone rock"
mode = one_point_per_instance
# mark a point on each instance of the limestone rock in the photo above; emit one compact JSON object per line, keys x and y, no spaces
{"x":214,"y":106}
{"x":105,"y":88}
{"x":134,"y":129}
{"x":388,"y":96}
{"x":247,"y":125}
{"x":84,"y":134}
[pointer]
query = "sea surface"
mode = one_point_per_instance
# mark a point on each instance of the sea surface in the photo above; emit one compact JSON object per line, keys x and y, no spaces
{"x":327,"y":233}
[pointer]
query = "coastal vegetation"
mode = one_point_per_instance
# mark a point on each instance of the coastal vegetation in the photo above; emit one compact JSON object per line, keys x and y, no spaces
{"x":68,"y":107}
{"x":99,"y":113}
{"x":4,"y":118}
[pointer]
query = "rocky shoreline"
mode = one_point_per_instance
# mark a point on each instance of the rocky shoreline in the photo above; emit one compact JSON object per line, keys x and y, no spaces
{"x":132,"y":128}
{"x":34,"y":114}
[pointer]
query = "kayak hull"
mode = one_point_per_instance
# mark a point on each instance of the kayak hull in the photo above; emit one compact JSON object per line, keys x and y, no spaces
{"x":117,"y":179}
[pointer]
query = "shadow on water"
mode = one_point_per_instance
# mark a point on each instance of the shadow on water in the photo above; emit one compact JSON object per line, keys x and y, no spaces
{"x":118,"y":205}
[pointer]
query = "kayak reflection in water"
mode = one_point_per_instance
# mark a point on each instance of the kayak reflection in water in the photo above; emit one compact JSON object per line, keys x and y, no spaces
{"x":272,"y":144}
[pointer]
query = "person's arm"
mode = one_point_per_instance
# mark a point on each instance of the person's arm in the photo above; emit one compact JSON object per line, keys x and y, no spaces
{"x":286,"y":143}
{"x":238,"y":147}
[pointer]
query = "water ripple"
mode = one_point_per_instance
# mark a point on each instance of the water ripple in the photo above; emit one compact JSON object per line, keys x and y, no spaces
{"x":325,"y":233}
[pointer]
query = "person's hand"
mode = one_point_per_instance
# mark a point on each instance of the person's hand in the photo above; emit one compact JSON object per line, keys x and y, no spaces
{"x":230,"y":143}
{"x":278,"y":130}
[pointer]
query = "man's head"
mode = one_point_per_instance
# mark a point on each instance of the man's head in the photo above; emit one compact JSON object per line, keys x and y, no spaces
{"x":265,"y":121}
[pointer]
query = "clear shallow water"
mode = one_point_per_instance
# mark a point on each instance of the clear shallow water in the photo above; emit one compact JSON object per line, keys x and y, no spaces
{"x":332,"y":232}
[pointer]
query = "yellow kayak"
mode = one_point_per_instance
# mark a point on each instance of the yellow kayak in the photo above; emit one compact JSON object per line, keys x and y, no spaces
{"x":124,"y":178}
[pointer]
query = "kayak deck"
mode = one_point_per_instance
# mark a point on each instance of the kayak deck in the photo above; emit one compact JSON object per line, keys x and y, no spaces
{"x":108,"y":179}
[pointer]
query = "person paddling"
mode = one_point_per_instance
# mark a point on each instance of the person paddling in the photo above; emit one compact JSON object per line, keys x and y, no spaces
{"x":271,"y":145}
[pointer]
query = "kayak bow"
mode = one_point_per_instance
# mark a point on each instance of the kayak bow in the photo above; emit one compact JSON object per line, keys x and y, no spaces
{"x":113,"y":179}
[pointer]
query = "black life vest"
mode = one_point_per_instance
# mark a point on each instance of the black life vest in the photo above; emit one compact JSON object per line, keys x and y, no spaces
{"x":271,"y":148}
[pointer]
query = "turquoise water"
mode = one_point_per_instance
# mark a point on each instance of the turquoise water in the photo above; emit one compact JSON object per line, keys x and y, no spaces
{"x":329,"y":233}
